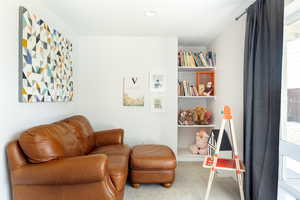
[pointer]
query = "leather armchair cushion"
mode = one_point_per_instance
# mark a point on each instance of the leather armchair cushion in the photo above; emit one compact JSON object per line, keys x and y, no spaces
{"x":75,"y":170}
{"x":118,"y":170}
{"x":118,"y":156}
{"x":49,"y":142}
{"x":152,"y":157}
{"x":84,"y":132}
{"x":118,"y":149}
{"x":109,"y":137}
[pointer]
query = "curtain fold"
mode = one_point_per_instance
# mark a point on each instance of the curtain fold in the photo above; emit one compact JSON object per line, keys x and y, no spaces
{"x":262,"y":96}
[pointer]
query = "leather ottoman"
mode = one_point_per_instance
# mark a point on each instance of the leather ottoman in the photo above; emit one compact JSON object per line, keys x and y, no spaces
{"x":152,"y":164}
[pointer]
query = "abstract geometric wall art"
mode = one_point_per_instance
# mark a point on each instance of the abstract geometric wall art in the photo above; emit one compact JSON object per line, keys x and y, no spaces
{"x":45,"y":57}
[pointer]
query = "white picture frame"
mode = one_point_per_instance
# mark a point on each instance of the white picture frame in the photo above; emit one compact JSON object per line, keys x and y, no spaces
{"x":158,"y":103}
{"x":133,"y":91}
{"x":157,"y":82}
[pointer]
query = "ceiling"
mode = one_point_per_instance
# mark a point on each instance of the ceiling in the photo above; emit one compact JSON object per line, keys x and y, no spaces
{"x":193,"y":21}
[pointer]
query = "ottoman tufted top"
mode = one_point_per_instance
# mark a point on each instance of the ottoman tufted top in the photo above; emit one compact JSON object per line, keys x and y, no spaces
{"x":156,"y":157}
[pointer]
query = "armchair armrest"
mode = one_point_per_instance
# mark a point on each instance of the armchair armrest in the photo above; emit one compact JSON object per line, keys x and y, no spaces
{"x":75,"y":170}
{"x":109,"y":137}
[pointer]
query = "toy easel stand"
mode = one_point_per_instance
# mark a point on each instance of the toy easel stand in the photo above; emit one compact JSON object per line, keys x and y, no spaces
{"x":216,"y":163}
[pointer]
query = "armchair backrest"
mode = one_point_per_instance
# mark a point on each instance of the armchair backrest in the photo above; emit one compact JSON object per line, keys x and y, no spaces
{"x":15,"y":155}
{"x":70,"y":137}
{"x":83,"y":131}
{"x":49,"y":142}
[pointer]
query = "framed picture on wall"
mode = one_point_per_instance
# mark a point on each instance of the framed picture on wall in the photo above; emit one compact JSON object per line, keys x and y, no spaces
{"x":158,"y":103}
{"x":133,"y":91}
{"x":157,"y":82}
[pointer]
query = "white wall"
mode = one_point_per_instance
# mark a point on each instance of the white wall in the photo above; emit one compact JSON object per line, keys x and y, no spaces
{"x":104,"y":62}
{"x":229,"y":47}
{"x":16,"y":117}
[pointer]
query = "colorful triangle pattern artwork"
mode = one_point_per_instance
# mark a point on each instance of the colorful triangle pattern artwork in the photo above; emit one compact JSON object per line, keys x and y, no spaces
{"x":46,"y":70}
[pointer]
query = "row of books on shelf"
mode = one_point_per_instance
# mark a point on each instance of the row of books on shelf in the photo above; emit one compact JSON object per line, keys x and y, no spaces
{"x":185,"y":88}
{"x":196,"y":59}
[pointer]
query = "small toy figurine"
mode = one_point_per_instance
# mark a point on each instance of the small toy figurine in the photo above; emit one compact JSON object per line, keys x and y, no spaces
{"x":201,"y":89}
{"x":208,"y":89}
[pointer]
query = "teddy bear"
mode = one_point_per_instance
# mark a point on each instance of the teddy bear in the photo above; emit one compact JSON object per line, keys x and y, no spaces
{"x":201,"y":115}
{"x":198,"y":113}
{"x":201,"y":146}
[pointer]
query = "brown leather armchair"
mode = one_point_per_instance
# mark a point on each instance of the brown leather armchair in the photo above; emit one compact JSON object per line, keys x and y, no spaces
{"x":68,"y":160}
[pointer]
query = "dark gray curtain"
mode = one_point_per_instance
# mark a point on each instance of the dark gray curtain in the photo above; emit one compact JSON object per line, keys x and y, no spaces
{"x":262,"y":92}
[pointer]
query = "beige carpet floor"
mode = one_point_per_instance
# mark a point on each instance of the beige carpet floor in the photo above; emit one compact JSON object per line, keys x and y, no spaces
{"x":190,"y":184}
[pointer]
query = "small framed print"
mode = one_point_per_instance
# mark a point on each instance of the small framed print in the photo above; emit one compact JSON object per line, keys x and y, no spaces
{"x":158,"y":103}
{"x":157,"y":82}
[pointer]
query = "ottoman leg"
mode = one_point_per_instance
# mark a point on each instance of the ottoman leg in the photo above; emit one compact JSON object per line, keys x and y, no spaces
{"x":167,"y":185}
{"x":135,"y":185}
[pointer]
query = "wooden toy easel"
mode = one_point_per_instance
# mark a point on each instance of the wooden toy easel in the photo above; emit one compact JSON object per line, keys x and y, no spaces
{"x":216,"y":163}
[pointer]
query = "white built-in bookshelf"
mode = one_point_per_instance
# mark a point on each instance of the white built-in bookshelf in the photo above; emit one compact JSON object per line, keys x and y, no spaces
{"x":186,"y":133}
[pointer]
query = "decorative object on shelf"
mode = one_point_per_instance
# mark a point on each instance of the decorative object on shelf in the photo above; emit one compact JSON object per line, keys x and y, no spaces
{"x":158,"y":103}
{"x":201,"y":116}
{"x":196,"y":59}
{"x":45,"y":61}
{"x":185,"y":117}
{"x":133,"y":91}
{"x":196,"y":116}
{"x":201,"y":146}
{"x":157,"y":82}
{"x":206,"y":81}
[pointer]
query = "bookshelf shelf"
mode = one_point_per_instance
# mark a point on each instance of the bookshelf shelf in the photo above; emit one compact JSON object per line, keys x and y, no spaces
{"x":195,"y":69}
{"x":197,"y":97}
{"x":184,"y":154}
{"x":197,"y":126}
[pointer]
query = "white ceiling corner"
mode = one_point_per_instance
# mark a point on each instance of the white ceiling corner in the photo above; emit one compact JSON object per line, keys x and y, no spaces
{"x":192,"y":21}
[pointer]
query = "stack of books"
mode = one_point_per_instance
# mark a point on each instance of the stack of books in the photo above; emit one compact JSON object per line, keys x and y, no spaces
{"x":196,"y":59}
{"x":185,"y":88}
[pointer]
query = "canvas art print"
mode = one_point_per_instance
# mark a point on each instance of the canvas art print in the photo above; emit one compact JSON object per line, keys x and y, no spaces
{"x":133,"y":91}
{"x":46,"y":73}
